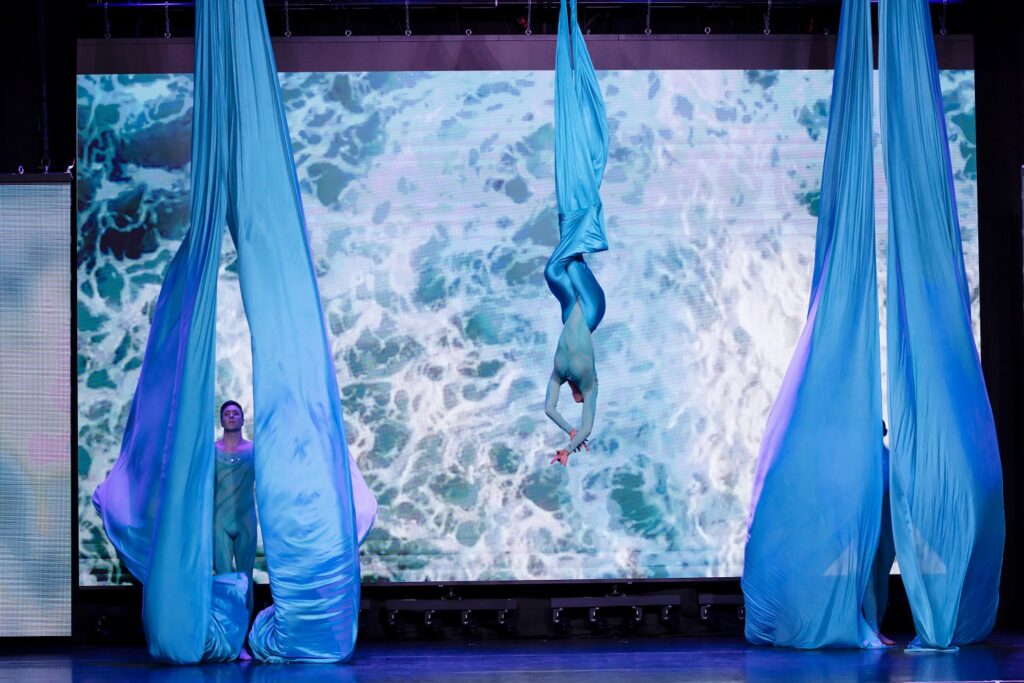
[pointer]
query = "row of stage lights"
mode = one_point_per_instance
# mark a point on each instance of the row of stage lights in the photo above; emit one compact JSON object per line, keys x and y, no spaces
{"x":525,"y":23}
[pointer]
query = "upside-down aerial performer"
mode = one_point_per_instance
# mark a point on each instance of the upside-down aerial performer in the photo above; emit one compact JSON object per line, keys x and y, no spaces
{"x":581,"y":152}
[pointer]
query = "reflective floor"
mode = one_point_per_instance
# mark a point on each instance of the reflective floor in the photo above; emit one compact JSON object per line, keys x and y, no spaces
{"x":579,"y":661}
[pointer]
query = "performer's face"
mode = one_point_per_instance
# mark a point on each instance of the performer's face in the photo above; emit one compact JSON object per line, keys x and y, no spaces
{"x":577,"y":395}
{"x":232,"y":419}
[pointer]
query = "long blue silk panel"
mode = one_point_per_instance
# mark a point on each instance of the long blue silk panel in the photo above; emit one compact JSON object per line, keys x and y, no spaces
{"x":304,"y":477}
{"x":817,"y":496}
{"x":157,"y":501}
{"x":946,"y":480}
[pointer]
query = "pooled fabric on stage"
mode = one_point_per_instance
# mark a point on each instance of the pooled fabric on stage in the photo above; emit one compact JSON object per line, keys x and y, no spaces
{"x":946,"y":484}
{"x":581,"y":152}
{"x":817,"y":495}
{"x":157,"y":503}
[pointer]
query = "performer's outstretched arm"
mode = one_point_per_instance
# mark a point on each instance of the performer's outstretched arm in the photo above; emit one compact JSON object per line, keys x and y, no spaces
{"x":554,"y":386}
{"x":588,"y":398}
{"x":589,"y":411}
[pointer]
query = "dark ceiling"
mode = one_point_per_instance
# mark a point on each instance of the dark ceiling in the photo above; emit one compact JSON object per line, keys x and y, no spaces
{"x":152,"y":18}
{"x":38,"y":38}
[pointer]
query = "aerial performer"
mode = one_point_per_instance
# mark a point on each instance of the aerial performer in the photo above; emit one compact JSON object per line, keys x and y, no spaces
{"x":581,"y":152}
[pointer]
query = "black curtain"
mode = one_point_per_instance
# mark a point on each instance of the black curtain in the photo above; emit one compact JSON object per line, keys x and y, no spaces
{"x":999,"y":79}
{"x":37,"y":75}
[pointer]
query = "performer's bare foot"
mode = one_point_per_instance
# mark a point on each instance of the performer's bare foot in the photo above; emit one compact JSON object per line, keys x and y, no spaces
{"x":561,"y":456}
{"x":888,"y":642}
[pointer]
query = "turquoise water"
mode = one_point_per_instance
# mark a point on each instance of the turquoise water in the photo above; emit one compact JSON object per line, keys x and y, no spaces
{"x":430,"y":203}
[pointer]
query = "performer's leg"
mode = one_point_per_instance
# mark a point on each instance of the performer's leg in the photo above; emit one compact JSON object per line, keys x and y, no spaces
{"x":590,"y":294}
{"x":245,"y":547}
{"x":245,"y":550}
{"x":559,"y":283}
{"x":223,"y":548}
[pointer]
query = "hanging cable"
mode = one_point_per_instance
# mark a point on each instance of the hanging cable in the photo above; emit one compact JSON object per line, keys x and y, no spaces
{"x":942,"y":19}
{"x":768,"y":19}
{"x":167,"y":19}
{"x":287,"y":21}
{"x":44,"y":114}
{"x":647,"y":29}
{"x":408,"y":28}
{"x":529,"y":17}
{"x":106,"y":21}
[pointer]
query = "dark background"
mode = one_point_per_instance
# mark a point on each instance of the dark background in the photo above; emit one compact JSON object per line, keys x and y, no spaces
{"x":37,"y":133}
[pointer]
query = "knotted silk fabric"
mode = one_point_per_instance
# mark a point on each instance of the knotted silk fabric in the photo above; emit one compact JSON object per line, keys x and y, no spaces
{"x":581,"y":153}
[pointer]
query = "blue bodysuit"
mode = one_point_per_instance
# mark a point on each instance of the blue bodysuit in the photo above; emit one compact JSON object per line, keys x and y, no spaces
{"x":234,"y":513}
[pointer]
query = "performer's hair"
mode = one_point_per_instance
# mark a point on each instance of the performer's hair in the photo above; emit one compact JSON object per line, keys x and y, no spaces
{"x":231,"y":403}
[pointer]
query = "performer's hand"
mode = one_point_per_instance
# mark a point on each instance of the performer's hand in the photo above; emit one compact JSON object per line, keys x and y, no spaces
{"x":572,"y":435}
{"x":561,"y":456}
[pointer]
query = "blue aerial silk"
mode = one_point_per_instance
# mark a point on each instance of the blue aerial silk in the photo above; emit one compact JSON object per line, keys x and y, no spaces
{"x":817,"y":497}
{"x":946,"y":483}
{"x":581,"y":153}
{"x":876,"y":597}
{"x":314,"y":507}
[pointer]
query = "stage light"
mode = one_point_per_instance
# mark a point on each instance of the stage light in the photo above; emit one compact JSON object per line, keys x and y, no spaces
{"x":557,"y":621}
{"x":505,"y":622}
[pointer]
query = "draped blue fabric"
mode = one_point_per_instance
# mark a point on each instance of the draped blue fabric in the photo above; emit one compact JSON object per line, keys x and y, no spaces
{"x":304,"y":476}
{"x":157,"y":503}
{"x":946,"y":483}
{"x":876,"y":597}
{"x":581,"y":153}
{"x":817,"y":496}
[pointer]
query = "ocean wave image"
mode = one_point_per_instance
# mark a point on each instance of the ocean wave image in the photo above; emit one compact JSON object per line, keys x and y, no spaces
{"x":430,"y":204}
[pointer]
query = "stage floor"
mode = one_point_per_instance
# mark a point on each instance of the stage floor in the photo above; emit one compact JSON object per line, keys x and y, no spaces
{"x":579,"y":661}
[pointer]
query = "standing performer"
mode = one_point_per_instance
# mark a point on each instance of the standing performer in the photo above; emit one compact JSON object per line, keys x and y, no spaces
{"x":234,"y":506}
{"x":581,"y":152}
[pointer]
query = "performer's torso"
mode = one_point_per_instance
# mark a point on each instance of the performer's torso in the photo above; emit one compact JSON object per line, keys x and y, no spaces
{"x":234,"y":497}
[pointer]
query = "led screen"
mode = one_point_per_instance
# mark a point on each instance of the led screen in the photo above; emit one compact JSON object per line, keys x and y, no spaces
{"x":35,"y":409}
{"x":431,"y":211}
